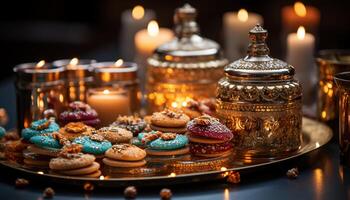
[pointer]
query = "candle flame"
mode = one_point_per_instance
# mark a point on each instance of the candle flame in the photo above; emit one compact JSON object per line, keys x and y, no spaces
{"x":40,"y":64}
{"x":172,"y":174}
{"x":119,"y":63}
{"x":74,"y":61}
{"x":138,"y":12}
{"x":300,"y":9}
{"x":174,"y":104}
{"x":242,"y":15}
{"x":153,"y":28}
{"x":105,"y":92}
{"x":301,"y":33}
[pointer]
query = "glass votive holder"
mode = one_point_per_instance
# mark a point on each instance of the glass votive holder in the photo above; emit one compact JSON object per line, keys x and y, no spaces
{"x":342,"y":81}
{"x":78,"y":77}
{"x":116,"y":82}
{"x":330,"y":62}
{"x":39,"y":86}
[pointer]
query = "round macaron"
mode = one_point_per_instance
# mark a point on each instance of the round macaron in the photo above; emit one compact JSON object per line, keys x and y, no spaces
{"x":94,"y":144}
{"x":169,"y":118}
{"x":198,"y":148}
{"x":72,"y":161}
{"x":178,"y":142}
{"x":125,"y":152}
{"x":79,"y":112}
{"x":39,"y":127}
{"x":209,"y":127}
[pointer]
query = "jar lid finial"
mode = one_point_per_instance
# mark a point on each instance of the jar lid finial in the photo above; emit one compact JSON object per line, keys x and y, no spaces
{"x":258,"y":46}
{"x":185,"y":21}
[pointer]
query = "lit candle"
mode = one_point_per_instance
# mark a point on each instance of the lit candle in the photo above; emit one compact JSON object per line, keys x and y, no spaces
{"x":109,"y":103}
{"x":300,"y":50}
{"x":236,"y":26}
{"x":146,"y":41}
{"x":133,"y":21}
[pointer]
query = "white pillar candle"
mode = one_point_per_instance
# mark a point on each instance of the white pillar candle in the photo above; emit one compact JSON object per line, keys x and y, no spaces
{"x":236,"y":29}
{"x":300,"y":50}
{"x":146,"y":41}
{"x":131,"y":22}
{"x":109,"y":103}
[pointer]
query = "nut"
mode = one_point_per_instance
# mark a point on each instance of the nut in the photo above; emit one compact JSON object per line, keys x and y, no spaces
{"x":233,"y":177}
{"x":165,"y":194}
{"x":44,"y":125}
{"x":171,"y":114}
{"x":292,"y":173}
{"x":75,"y":127}
{"x":97,"y":138}
{"x":130,"y":192}
{"x":203,"y":120}
{"x":21,"y":182}
{"x":168,"y":136}
{"x":128,"y":120}
{"x":70,"y":149}
{"x":148,"y":137}
{"x":63,"y":141}
{"x":48,"y":193}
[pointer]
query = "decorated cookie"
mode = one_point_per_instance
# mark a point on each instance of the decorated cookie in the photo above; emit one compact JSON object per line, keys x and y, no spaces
{"x":79,"y":112}
{"x":73,"y":130}
{"x":132,"y":123}
{"x":115,"y":134}
{"x":46,"y":141}
{"x":209,"y":127}
{"x":168,"y":141}
{"x":169,"y":118}
{"x":94,"y":144}
{"x":72,"y":161}
{"x":125,"y":152}
{"x":39,"y":127}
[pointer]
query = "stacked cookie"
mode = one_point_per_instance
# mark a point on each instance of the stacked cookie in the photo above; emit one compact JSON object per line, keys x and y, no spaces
{"x":125,"y":156}
{"x":39,"y":127}
{"x":208,"y":137}
{"x":43,"y":148}
{"x":169,"y":121}
{"x":93,"y":144}
{"x":76,"y":164}
{"x":115,"y":135}
{"x":73,"y":130}
{"x":79,"y":112}
{"x":134,"y":124}
{"x":164,"y":144}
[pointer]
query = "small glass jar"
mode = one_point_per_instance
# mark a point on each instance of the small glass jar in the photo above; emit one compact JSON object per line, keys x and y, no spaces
{"x":78,"y":77}
{"x":115,"y":84}
{"x":38,"y":87}
{"x":187,"y":67}
{"x":260,"y":101}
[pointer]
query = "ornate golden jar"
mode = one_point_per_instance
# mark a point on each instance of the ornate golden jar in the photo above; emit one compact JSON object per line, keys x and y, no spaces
{"x":260,"y":100}
{"x":187,"y":67}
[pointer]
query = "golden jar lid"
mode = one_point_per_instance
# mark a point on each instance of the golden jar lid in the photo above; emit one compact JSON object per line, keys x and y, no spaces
{"x":109,"y":72}
{"x":188,"y":50}
{"x":258,"y":64}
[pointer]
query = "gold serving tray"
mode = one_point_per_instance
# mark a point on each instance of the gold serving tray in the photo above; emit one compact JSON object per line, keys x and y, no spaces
{"x":188,"y":169}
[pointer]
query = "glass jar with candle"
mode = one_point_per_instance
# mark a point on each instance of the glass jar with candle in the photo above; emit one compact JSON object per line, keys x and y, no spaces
{"x":187,"y":67}
{"x":39,"y":87}
{"x":78,"y":77}
{"x":260,"y":100}
{"x":115,"y":91}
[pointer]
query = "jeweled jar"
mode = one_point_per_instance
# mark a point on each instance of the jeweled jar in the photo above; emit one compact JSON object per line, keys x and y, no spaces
{"x":187,"y":67}
{"x":260,"y":100}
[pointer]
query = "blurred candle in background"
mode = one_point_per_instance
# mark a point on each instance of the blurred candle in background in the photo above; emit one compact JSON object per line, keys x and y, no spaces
{"x":131,"y":22}
{"x":297,"y":15}
{"x":146,"y":41}
{"x":300,"y":51}
{"x":236,"y":28}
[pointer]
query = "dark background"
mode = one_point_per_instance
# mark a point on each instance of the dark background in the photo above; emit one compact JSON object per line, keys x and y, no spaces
{"x":54,"y":29}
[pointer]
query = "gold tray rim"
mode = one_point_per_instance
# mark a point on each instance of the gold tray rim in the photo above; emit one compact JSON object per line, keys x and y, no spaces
{"x":310,"y":127}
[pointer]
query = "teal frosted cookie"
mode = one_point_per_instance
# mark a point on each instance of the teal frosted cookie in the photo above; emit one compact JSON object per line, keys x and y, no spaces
{"x":45,"y":141}
{"x":94,"y":144}
{"x":39,"y":127}
{"x":2,"y":132}
{"x":168,"y":141}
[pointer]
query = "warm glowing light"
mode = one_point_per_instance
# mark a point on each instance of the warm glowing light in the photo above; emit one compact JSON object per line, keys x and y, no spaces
{"x":119,"y":62}
{"x":106,"y":92}
{"x":102,"y":177}
{"x":40,"y":64}
{"x":300,"y":9}
{"x":138,"y":12}
{"x":153,"y":28}
{"x":226,"y":194}
{"x":242,"y":15}
{"x":317,"y":144}
{"x":301,"y":33}
{"x":184,"y":104}
{"x":324,"y":114}
{"x":172,"y":174}
{"x":74,"y":61}
{"x":174,"y":104}
{"x":223,"y":168}
{"x":40,"y":172}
